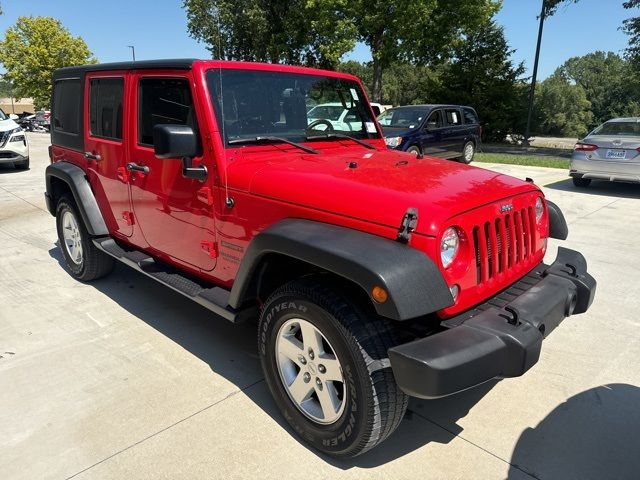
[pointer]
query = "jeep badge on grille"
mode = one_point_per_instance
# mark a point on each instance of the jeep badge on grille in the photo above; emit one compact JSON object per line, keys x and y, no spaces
{"x":506,"y":208}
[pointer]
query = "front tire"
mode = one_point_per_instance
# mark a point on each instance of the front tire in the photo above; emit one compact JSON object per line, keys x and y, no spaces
{"x":84,"y":260}
{"x":325,"y":362}
{"x":414,"y":150}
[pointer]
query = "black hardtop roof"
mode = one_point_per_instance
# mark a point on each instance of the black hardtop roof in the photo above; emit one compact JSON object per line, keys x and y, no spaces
{"x":177,"y":63}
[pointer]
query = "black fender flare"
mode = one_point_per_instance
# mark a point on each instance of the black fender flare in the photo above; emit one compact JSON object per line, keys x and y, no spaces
{"x":86,"y":202}
{"x":557,"y":224}
{"x":414,"y":284}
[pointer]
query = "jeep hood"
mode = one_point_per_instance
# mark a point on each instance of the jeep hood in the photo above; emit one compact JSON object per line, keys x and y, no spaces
{"x":383,"y":185}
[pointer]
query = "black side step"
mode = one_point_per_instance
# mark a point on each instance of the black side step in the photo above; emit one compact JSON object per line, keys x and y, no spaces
{"x":215,"y":299}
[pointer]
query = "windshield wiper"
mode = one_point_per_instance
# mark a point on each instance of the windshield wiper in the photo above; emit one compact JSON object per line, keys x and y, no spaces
{"x":340,"y":135}
{"x":270,"y":139}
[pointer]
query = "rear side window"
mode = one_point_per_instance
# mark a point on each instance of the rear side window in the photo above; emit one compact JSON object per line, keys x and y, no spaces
{"x":470,"y":116}
{"x":67,"y":99}
{"x":453,"y":116}
{"x":105,"y":107}
{"x":163,"y":101}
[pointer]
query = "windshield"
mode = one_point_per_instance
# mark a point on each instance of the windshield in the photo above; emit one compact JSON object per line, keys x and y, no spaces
{"x":618,"y":128}
{"x":288,"y":105}
{"x":402,"y":117}
{"x":3,"y":116}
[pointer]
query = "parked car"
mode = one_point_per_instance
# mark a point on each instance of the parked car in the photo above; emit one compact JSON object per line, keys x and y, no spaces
{"x":340,"y":118}
{"x":13,"y":143}
{"x":43,"y":119}
{"x":446,"y":131}
{"x":610,"y":152}
{"x":372,"y":276}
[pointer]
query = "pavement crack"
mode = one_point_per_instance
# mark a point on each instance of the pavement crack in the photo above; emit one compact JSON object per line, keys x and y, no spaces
{"x":25,"y":201}
{"x":517,"y":467}
{"x":232,"y":394}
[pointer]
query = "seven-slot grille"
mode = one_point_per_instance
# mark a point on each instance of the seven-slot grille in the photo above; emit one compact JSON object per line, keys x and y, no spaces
{"x":4,"y":136}
{"x":511,"y":236}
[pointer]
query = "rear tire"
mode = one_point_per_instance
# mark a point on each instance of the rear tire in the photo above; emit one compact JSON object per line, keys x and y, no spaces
{"x":367,"y":404}
{"x":468,"y":152}
{"x":581,"y":182}
{"x":84,"y":260}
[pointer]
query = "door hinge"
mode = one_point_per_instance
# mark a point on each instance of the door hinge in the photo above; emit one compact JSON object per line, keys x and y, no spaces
{"x":204,"y":195}
{"x":408,"y":225}
{"x":209,"y":247}
{"x":128,"y":217}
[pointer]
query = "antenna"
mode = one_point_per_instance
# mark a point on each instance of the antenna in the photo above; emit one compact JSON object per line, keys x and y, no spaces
{"x":227,"y":199}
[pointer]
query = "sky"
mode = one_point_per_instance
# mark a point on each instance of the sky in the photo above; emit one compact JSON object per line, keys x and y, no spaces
{"x":158,"y":28}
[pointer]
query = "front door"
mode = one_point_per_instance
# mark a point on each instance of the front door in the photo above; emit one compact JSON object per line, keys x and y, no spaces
{"x":431,"y":137}
{"x":105,"y":152}
{"x":174,"y":214}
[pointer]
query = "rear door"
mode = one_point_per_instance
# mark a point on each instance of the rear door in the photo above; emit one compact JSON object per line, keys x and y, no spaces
{"x":174,"y":213}
{"x":105,"y":152}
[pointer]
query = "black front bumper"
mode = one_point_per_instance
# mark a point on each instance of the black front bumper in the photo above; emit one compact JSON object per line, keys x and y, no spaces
{"x":499,"y":339}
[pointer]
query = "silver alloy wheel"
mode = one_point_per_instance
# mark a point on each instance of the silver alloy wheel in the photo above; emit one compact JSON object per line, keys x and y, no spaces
{"x":468,"y":152}
{"x":72,"y":238}
{"x":310,"y":371}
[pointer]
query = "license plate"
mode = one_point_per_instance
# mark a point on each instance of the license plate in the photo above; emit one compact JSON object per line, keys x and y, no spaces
{"x":616,"y":154}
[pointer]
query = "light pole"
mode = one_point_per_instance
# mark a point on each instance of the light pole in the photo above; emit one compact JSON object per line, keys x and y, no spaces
{"x":527,"y":131}
{"x":133,"y":51}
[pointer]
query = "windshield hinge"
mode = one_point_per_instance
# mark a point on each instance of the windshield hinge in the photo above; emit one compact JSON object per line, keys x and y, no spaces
{"x":408,"y":225}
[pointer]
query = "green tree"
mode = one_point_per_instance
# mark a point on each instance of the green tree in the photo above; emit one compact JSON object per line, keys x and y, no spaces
{"x":631,"y":27}
{"x":562,"y":108}
{"x":608,"y":81}
{"x":418,"y":31}
{"x":6,"y":88}
{"x":482,"y":75}
{"x":32,"y":49}
{"x":291,"y":31}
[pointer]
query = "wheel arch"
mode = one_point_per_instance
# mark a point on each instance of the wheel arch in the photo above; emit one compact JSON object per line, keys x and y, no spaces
{"x":413,"y":282}
{"x":66,"y":178}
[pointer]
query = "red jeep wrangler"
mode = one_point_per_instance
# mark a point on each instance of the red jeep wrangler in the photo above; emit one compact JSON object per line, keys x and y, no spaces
{"x":374,"y":275}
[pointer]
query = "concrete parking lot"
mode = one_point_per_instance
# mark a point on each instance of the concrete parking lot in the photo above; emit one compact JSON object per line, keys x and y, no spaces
{"x":123,"y":378}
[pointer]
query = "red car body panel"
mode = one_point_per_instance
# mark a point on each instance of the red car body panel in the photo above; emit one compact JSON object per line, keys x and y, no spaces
{"x":186,"y":223}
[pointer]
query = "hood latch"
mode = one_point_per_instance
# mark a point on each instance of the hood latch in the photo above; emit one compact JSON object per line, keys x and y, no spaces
{"x":408,"y":225}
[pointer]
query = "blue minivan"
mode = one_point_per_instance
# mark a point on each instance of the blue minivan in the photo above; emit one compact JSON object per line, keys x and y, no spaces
{"x":446,"y":131}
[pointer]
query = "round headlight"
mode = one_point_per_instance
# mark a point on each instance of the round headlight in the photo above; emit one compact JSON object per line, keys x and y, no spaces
{"x":539,"y":209}
{"x":449,"y":245}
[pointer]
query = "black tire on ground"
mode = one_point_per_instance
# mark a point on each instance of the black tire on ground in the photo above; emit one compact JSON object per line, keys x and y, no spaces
{"x":468,"y":152}
{"x":94,"y":263}
{"x":22,"y":165}
{"x":581,"y":182}
{"x":375,"y":405}
{"x":413,"y":150}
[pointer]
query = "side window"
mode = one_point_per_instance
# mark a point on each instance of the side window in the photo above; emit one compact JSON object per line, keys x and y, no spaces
{"x":163,"y":101}
{"x":105,"y":107}
{"x":453,"y":116}
{"x":435,"y":120}
{"x":469,"y":116}
{"x":67,"y":100}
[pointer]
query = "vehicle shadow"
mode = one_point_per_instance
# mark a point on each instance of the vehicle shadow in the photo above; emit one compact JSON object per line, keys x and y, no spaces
{"x":593,"y":435}
{"x":597,"y":187}
{"x":9,"y":168}
{"x":230,"y":351}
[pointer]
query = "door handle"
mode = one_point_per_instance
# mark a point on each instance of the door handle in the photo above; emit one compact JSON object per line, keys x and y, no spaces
{"x":134,"y":167}
{"x":91,"y":156}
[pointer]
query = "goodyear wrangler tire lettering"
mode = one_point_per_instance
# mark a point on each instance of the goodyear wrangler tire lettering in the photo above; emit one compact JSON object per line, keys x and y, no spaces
{"x":352,"y":335}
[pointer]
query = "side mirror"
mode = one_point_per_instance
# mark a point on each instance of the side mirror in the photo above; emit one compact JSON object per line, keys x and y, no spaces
{"x":174,"y":141}
{"x":179,"y":141}
{"x":13,"y":116}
